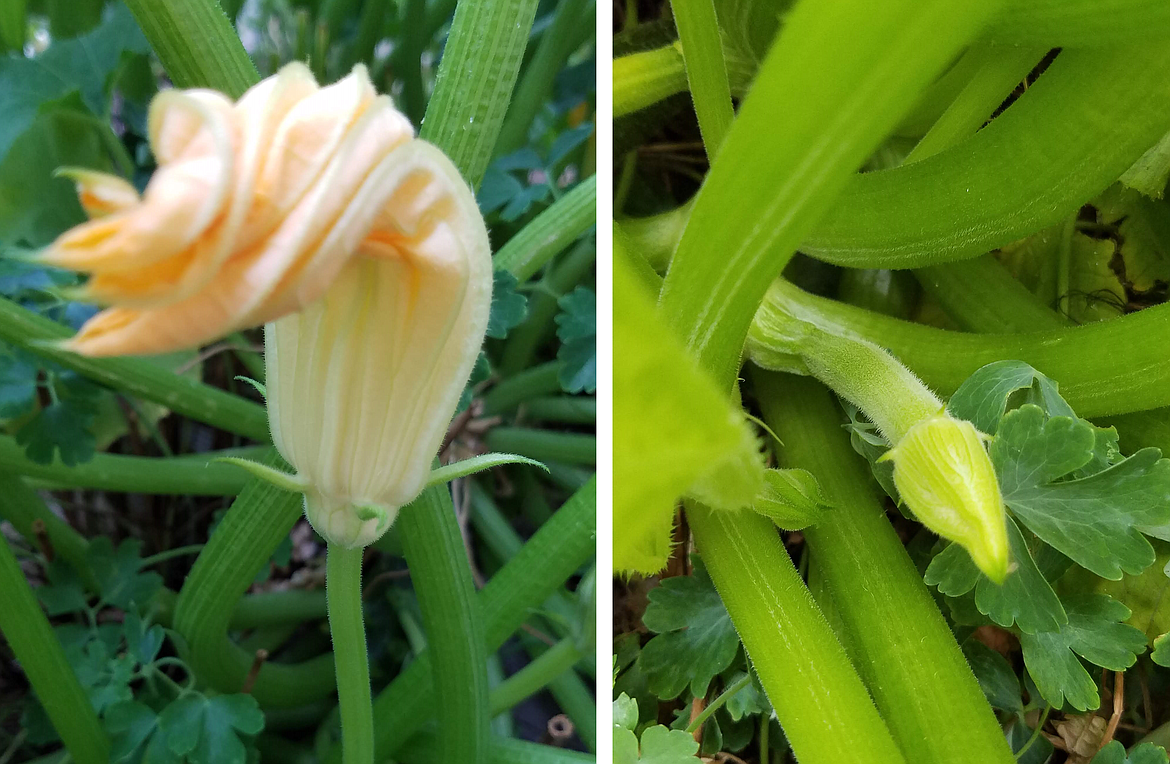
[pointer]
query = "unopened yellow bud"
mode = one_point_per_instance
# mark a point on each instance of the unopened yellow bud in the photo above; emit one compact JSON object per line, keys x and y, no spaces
{"x":945,"y":477}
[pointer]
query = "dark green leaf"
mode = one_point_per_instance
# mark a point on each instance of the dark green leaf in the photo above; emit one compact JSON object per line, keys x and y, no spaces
{"x":1093,"y":520}
{"x":1146,"y":753}
{"x":995,"y":676}
{"x":118,"y":573}
{"x":983,"y":398}
{"x":60,"y":428}
{"x":696,"y":639}
{"x":509,"y":307}
{"x":130,"y":724}
{"x":18,"y":385}
{"x":1095,"y":631}
{"x":577,"y":331}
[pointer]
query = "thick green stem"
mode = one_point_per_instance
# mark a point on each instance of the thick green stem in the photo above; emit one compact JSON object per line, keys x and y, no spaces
{"x":474,"y":85}
{"x":572,"y":23}
{"x":343,"y":584}
{"x":134,"y":376}
{"x":441,"y":576}
{"x":31,"y":638}
{"x":259,"y":519}
{"x":570,"y":447}
{"x":980,"y":295}
{"x":530,"y":383}
{"x":1001,"y":69}
{"x":21,"y":506}
{"x":553,"y":554}
{"x":549,"y":232}
{"x":1025,"y":171}
{"x":196,"y":43}
{"x":1073,"y":23}
{"x":564,"y":409}
{"x":130,"y":474}
{"x":1104,"y":368}
{"x":647,"y":77}
{"x":824,"y":708}
{"x":896,"y":635}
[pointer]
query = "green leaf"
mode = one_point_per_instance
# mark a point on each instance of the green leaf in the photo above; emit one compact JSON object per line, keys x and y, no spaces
{"x":65,"y":592}
{"x":983,"y":398}
{"x":1150,"y":172}
{"x":1146,"y":753}
{"x":792,"y":498}
{"x":1096,"y":633}
{"x":82,"y":64}
{"x":661,"y":745}
{"x":36,"y":206}
{"x":143,"y":641}
{"x":208,"y":730}
{"x":625,"y":712}
{"x":130,"y":724}
{"x":60,"y":428}
{"x":481,"y":372}
{"x":18,"y":385}
{"x":577,"y":331}
{"x":1143,"y":230}
{"x":1161,"y":652}
{"x":1093,"y":520}
{"x":1025,"y":599}
{"x":696,"y":639}
{"x":749,"y":701}
{"x":119,"y":575}
{"x":995,"y":676}
{"x":509,"y":307}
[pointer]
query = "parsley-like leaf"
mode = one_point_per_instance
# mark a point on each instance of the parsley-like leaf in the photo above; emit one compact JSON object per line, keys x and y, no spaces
{"x":1093,"y":520}
{"x":208,"y":730}
{"x":119,"y":575}
{"x":62,"y":427}
{"x":1025,"y":598}
{"x":696,"y":639}
{"x":577,"y":331}
{"x":509,"y":307}
{"x":18,"y":385}
{"x":1095,"y":631}
{"x":995,"y":676}
{"x":660,"y":745}
{"x":1146,"y":753}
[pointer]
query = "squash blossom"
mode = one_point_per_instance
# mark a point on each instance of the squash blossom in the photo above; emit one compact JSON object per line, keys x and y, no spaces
{"x":316,"y":212}
{"x":945,"y":476}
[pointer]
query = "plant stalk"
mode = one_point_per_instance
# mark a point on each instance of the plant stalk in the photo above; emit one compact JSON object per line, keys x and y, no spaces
{"x":343,"y":586}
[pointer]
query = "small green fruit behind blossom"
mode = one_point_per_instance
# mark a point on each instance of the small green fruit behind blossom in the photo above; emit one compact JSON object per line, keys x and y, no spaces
{"x":944,"y":475}
{"x":314,"y":211}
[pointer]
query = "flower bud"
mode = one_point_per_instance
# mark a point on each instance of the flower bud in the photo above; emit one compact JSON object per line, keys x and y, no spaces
{"x":363,"y":382}
{"x":946,"y":478}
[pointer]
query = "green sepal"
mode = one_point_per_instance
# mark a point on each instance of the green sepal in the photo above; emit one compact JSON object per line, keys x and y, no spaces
{"x":259,"y":386}
{"x":476,"y":464}
{"x":270,"y":475}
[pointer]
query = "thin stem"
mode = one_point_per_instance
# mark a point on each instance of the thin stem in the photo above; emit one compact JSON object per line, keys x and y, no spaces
{"x":1036,"y":733}
{"x":719,"y":702}
{"x":535,"y":676}
{"x":343,"y":586}
{"x":36,"y":647}
{"x":702,"y":49}
{"x":170,"y":554}
{"x":446,"y":594}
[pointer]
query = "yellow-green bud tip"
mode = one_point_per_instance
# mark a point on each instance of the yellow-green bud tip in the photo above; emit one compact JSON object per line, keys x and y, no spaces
{"x":945,"y":477}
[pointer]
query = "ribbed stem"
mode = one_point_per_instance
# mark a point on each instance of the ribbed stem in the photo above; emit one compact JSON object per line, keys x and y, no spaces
{"x":549,"y":232}
{"x":36,"y":647}
{"x":442,"y":580}
{"x":702,"y":49}
{"x":343,"y":586}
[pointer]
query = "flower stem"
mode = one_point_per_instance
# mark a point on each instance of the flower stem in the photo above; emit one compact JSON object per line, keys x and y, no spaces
{"x":343,"y":586}
{"x":39,"y":653}
{"x":702,"y":48}
{"x":442,"y":580}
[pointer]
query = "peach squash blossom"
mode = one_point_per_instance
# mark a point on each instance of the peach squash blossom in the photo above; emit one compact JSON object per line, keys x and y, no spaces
{"x":314,"y":211}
